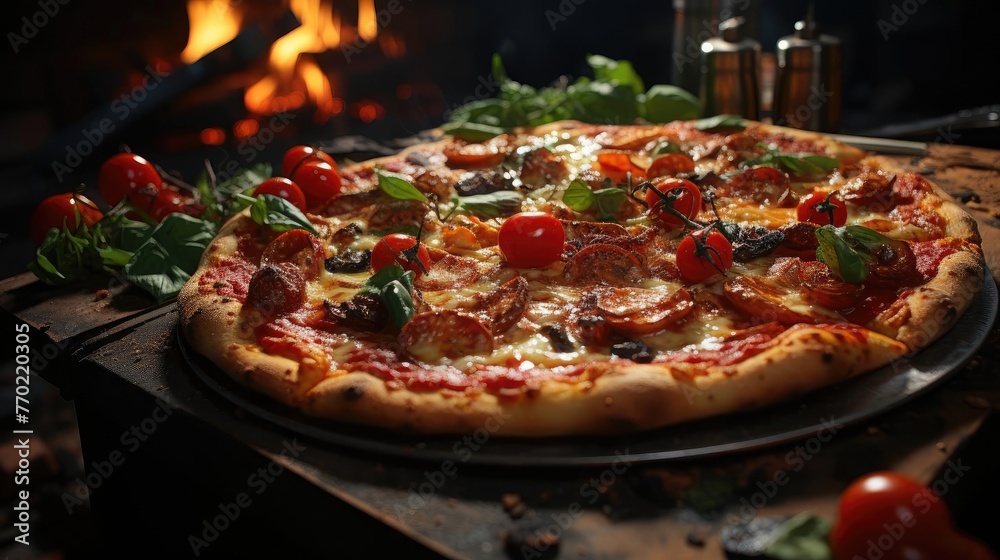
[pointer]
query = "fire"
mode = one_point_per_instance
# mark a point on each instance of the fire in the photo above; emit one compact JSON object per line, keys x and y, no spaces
{"x":367,"y":20}
{"x":213,"y":24}
{"x":293,"y":77}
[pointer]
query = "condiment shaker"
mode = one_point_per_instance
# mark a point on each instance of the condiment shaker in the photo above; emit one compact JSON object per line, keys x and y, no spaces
{"x":808,"y":86}
{"x":730,"y":82}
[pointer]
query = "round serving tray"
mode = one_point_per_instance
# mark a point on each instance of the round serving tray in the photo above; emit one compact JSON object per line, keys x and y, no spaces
{"x":847,"y":403}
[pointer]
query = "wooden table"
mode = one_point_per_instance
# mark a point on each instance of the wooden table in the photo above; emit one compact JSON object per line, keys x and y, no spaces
{"x":200,"y":455}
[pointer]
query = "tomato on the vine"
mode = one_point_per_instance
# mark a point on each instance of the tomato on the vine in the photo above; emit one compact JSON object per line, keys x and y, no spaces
{"x":704,"y":254}
{"x":398,"y":248}
{"x":298,"y":155}
{"x":319,"y":182}
{"x":283,"y":188}
{"x":670,"y":165}
{"x":69,"y":208}
{"x":680,"y":194}
{"x":819,"y":207}
{"x":899,"y":519}
{"x":531,"y":239}
{"x":122,"y":174}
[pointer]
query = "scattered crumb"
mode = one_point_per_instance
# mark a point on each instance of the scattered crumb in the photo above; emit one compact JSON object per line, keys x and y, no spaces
{"x":513,"y":505}
{"x":941,"y":446}
{"x":977,"y":402}
{"x":100,"y":294}
{"x":696,"y":538}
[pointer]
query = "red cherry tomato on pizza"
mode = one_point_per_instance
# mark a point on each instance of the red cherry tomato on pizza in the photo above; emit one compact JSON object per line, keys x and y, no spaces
{"x":892,"y":517}
{"x":531,"y":239}
{"x":819,"y":206}
{"x":69,"y":208}
{"x":298,"y":155}
{"x":670,"y":165}
{"x":283,"y":188}
{"x":701,"y":256}
{"x":398,"y":248}
{"x":680,"y":194}
{"x":319,"y":182}
{"x":122,"y":174}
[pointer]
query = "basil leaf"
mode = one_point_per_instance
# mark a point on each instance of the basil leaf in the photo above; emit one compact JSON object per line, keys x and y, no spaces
{"x":168,"y":258}
{"x":277,"y":213}
{"x":382,"y":277}
{"x":491,"y":205}
{"x":868,"y":239}
{"x":825,"y":163}
{"x":616,"y":72}
{"x":608,"y":202}
{"x":803,"y":537}
{"x":499,"y":72}
{"x":601,"y":102}
{"x":115,"y":257}
{"x":394,"y":288}
{"x":836,"y":253}
{"x":665,"y":103}
{"x":578,"y":196}
{"x":398,"y":187}
{"x":398,"y":299}
{"x":124,"y":233}
{"x":473,"y":132}
{"x":721,"y":121}
{"x":243,"y":180}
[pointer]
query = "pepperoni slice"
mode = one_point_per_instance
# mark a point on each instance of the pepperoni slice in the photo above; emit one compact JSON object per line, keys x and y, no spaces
{"x":277,"y":289}
{"x":821,"y":286}
{"x":449,"y":273}
{"x":502,"y":307}
{"x":477,"y":155}
{"x":541,"y":167}
{"x":604,"y":264}
{"x":638,"y":311}
{"x":765,"y":300}
{"x":433,"y":335}
{"x":763,"y":185}
{"x":297,"y":247}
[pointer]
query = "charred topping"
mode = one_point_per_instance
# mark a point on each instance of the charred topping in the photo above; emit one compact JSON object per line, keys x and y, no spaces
{"x":559,"y":338}
{"x":750,"y":242}
{"x":594,"y":330}
{"x":635,"y":350}
{"x":483,"y":182}
{"x":363,"y":312}
{"x":349,"y":261}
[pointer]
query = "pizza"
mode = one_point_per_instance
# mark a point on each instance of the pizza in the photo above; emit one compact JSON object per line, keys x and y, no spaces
{"x":585,"y":279}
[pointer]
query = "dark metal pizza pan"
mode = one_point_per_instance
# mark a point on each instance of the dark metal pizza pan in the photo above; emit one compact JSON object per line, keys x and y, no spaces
{"x":847,"y":403}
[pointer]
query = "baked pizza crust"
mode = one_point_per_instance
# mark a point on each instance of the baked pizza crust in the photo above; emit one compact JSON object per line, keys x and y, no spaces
{"x":609,"y":397}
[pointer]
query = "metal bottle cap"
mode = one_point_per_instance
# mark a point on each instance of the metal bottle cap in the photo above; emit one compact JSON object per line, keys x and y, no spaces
{"x":729,"y":72}
{"x":808,"y":86}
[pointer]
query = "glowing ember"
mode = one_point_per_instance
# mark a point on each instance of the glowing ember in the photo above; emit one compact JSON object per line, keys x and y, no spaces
{"x":213,"y":24}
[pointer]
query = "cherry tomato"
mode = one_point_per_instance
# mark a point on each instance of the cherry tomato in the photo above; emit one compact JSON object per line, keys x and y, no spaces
{"x":670,"y":165}
{"x":701,"y":256}
{"x":889,"y":516}
{"x":684,"y":196}
{"x":396,"y":248}
{"x":617,"y":165}
{"x":283,"y":188}
{"x":817,"y":208}
{"x":68,"y":208}
{"x":122,"y":174}
{"x":143,"y":199}
{"x":166,"y":203}
{"x":298,"y":155}
{"x":531,"y":239}
{"x":319,"y":182}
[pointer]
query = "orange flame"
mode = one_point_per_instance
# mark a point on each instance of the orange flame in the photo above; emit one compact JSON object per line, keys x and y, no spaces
{"x":367,"y":20}
{"x":213,"y":24}
{"x":293,"y":78}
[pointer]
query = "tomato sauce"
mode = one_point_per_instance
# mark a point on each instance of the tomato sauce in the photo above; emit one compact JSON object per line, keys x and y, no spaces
{"x":229,"y":277}
{"x":930,"y":254}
